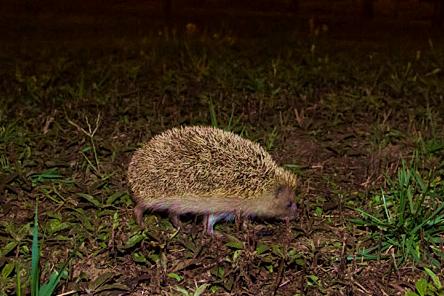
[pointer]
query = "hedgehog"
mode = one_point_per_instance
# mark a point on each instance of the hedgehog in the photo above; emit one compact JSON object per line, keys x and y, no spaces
{"x":207,"y":171}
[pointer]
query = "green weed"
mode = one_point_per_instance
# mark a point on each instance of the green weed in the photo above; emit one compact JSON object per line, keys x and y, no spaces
{"x":48,"y":175}
{"x":430,"y":147}
{"x":409,"y":219}
{"x":426,"y":287}
{"x":9,"y":133}
{"x":6,"y":278}
{"x":12,"y":135}
{"x":198,"y":291}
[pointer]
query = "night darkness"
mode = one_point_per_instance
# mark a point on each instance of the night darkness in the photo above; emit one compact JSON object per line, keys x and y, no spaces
{"x":348,"y":95}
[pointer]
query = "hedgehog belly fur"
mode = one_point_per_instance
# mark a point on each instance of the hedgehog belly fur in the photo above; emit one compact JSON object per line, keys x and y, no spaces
{"x":214,"y":210}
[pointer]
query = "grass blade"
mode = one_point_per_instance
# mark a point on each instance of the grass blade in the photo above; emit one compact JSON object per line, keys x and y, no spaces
{"x":48,"y":288}
{"x":35,"y":256}
{"x":374,"y":219}
{"x":213,"y":115}
{"x":387,"y":213}
{"x":18,"y":284}
{"x":435,"y":279}
{"x":427,"y":220}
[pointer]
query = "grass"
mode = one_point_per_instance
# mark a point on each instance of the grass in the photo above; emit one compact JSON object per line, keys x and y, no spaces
{"x":370,"y":223}
{"x":410,"y":219}
{"x":38,"y":289}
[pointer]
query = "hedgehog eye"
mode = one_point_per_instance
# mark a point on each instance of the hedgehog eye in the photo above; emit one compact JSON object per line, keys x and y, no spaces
{"x":290,"y":204}
{"x":279,"y":191}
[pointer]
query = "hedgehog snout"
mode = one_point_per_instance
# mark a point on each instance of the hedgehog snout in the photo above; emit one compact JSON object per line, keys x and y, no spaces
{"x":286,"y":207}
{"x":293,"y":209}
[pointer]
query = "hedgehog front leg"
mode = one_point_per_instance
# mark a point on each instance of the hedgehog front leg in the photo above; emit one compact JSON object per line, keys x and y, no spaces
{"x":209,"y":224}
{"x":212,"y":219}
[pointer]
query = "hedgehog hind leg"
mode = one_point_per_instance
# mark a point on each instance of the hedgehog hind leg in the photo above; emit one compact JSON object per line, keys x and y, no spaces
{"x":138,"y":212}
{"x":174,"y":218}
{"x":211,"y":219}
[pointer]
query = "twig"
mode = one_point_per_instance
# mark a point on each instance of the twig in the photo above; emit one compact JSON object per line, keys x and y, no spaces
{"x":280,"y":276}
{"x":90,"y":133}
{"x":67,"y":293}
